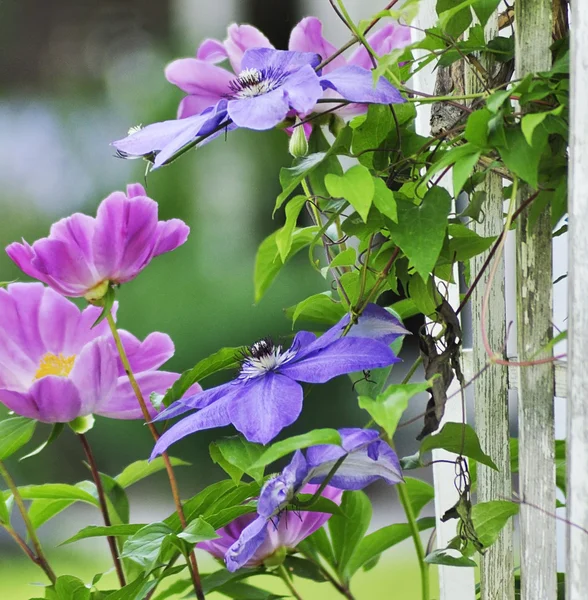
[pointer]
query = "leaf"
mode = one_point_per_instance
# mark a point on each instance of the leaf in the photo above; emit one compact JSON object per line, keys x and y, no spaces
{"x":55,"y":433}
{"x":442,"y":557}
{"x":143,"y":468}
{"x":68,"y":587}
{"x":41,"y":511}
{"x":462,"y":170}
{"x":347,"y":530}
{"x":101,"y":531}
{"x":14,"y":434}
{"x":521,"y":158}
{"x":137,"y":590}
{"x":389,"y":406}
{"x":424,"y":295}
{"x":465,"y":243}
{"x":236,"y":456}
{"x":268,"y":262}
{"x":318,"y":544}
{"x":357,"y":187}
{"x":4,"y":508}
{"x":450,"y":438}
{"x":145,"y":545}
{"x":455,"y":16}
{"x":384,"y":200}
{"x":484,"y":9}
{"x":291,"y":177}
{"x":375,"y":543}
{"x":476,"y":131}
{"x":225,"y":358}
{"x":420,"y":493}
{"x":284,"y":235}
{"x":489,"y":518}
{"x":304,"y":568}
{"x":57,"y":491}
{"x":197,"y":531}
{"x":420,"y":230}
{"x":320,"y":308}
{"x":289,"y":445}
{"x":214,"y":581}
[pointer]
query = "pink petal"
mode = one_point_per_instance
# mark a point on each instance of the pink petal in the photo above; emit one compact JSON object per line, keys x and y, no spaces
{"x":169,"y":235}
{"x":23,"y":255}
{"x":211,"y":51}
{"x":307,"y":36}
{"x":21,"y":403}
{"x":383,"y":42}
{"x":57,"y":398}
{"x":240,"y":39}
{"x":156,"y":349}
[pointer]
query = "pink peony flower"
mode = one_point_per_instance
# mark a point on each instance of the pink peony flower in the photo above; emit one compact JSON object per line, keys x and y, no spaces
{"x":84,"y":255}
{"x":54,"y":367}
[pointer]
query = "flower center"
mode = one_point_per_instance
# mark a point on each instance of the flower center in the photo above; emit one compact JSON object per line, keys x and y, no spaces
{"x":55,"y":364}
{"x":253,"y":82}
{"x":262,"y":357}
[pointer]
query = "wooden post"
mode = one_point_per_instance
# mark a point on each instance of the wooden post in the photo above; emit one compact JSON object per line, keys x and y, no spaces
{"x":533,"y":19}
{"x":491,"y":388}
{"x":577,"y":434}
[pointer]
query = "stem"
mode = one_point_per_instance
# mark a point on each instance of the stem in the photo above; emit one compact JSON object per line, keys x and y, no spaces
{"x":21,"y":543}
{"x":168,"y":466}
{"x":418,"y":544}
{"x":40,"y":557}
{"x":339,"y":587}
{"x":286,"y":578}
{"x":103,"y":508}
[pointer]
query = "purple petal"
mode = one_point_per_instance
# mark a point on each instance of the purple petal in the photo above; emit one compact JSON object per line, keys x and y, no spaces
{"x":57,"y":398}
{"x":215,"y":415}
{"x":344,"y":355}
{"x":170,"y":235}
{"x":266,"y":406}
{"x":21,"y":403}
{"x":240,"y":39}
{"x":22,"y":255}
{"x":390,"y":37}
{"x":245,"y":547}
{"x":211,"y":51}
{"x":357,"y":85}
{"x":307,"y":36}
{"x":124,"y":238}
{"x":260,"y":112}
{"x":156,"y":349}
{"x":200,"y":79}
{"x":76,"y":231}
{"x":377,"y":323}
{"x":303,"y":89}
{"x":135,"y":189}
{"x":281,"y":61}
{"x":95,"y":374}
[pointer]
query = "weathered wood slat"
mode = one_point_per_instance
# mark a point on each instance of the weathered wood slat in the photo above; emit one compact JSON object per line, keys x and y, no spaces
{"x":577,"y":432}
{"x":491,"y":387}
{"x":533,"y":21}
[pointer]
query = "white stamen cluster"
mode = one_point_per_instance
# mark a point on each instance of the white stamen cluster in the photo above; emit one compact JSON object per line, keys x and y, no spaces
{"x":264,"y":357}
{"x":134,"y":129}
{"x":251,"y":83}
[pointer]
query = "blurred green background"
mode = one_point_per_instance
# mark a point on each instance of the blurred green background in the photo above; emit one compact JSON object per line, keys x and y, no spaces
{"x":77,"y":75}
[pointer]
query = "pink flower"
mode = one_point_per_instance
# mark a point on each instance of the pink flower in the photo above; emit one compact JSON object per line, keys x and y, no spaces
{"x":286,"y":532}
{"x":206,"y":83}
{"x":84,"y":255}
{"x":54,"y":367}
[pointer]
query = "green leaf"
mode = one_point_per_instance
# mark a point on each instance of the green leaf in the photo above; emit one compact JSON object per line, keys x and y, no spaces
{"x":497,"y":99}
{"x":484,"y":9}
{"x":291,"y":177}
{"x":442,"y":557}
{"x":424,"y":294}
{"x":197,"y":531}
{"x":375,"y":543}
{"x":143,"y":468}
{"x":225,"y":358}
{"x":145,"y":545}
{"x":101,"y":531}
{"x":14,"y":434}
{"x":521,"y":158}
{"x":384,"y":200}
{"x":462,"y":171}
{"x":268,"y":262}
{"x":455,"y":16}
{"x":389,"y":406}
{"x":320,"y":308}
{"x":289,"y":445}
{"x":456,"y":438}
{"x":465,"y":243}
{"x":420,"y":230}
{"x":476,"y":131}
{"x":531,"y":121}
{"x":41,"y":511}
{"x":4,"y":508}
{"x":346,"y":258}
{"x":357,"y":187}
{"x":55,"y":433}
{"x":68,"y":587}
{"x":284,"y":235}
{"x":489,"y":518}
{"x":304,"y":568}
{"x":420,"y":493}
{"x":137,"y":590}
{"x":236,"y":456}
{"x":372,"y":132}
{"x":57,"y":491}
{"x":347,"y":530}
{"x":318,"y":544}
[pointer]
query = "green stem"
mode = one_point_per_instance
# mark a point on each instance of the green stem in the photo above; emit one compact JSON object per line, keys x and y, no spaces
{"x":286,"y":579}
{"x":448,"y":98}
{"x":40,"y":556}
{"x":418,"y":544}
{"x":344,"y":591}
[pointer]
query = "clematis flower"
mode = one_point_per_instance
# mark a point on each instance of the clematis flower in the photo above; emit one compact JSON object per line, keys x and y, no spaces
{"x":83,"y":255}
{"x":275,"y":537}
{"x":54,"y":367}
{"x":267,"y":395}
{"x":367,"y":458}
{"x":270,"y":85}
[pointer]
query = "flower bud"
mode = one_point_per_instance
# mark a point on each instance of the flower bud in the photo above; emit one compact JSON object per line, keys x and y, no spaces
{"x":82,"y":425}
{"x":298,"y":146}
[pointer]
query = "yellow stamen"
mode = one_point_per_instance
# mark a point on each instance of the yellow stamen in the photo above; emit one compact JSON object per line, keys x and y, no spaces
{"x":52,"y":364}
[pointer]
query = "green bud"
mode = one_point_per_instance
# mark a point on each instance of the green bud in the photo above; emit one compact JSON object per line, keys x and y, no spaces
{"x":97,"y":293}
{"x":82,"y":424}
{"x":298,"y":146}
{"x":277,"y":558}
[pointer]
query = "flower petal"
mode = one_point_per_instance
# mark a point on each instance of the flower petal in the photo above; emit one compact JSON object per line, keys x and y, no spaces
{"x":21,"y":403}
{"x":201,"y":79}
{"x":215,"y":415}
{"x":170,"y":235}
{"x":57,"y":398}
{"x":357,"y":85}
{"x":249,"y":541}
{"x":265,"y":406}
{"x":377,"y":323}
{"x":303,"y":89}
{"x":342,"y":356}
{"x":307,"y":36}
{"x":22,"y":255}
{"x":240,"y":39}
{"x":385,"y":40}
{"x":281,"y":61}
{"x":156,"y":349}
{"x":260,"y":112}
{"x":211,"y":51}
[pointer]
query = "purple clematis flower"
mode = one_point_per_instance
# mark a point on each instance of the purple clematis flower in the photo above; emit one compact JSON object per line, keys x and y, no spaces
{"x":54,"y":367}
{"x":267,"y":395}
{"x":367,"y":459}
{"x":271,"y":85}
{"x":274,"y":536}
{"x":83,"y":255}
